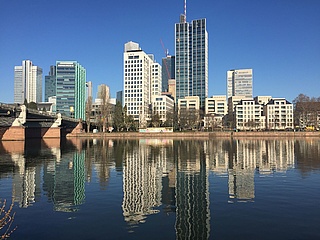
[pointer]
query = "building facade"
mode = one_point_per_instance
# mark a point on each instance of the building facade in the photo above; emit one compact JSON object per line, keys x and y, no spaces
{"x":279,"y":114}
{"x":191,"y":59}
{"x":164,"y":106}
{"x":248,"y":115}
{"x":239,"y":83}
{"x":168,"y":71}
{"x":50,"y":84}
{"x":142,"y":78}
{"x":216,"y":105}
{"x":70,"y":89}
{"x":27,"y":83}
{"x":156,"y":79}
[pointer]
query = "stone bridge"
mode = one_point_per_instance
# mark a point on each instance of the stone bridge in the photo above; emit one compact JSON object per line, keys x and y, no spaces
{"x":20,"y":123}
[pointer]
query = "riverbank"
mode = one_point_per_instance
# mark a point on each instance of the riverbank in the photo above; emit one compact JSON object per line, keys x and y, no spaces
{"x":190,"y":135}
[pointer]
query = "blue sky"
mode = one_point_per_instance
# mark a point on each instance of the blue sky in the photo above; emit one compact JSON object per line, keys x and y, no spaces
{"x":279,"y":39}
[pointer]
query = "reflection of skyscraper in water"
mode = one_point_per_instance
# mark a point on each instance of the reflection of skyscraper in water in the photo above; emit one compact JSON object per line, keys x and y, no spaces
{"x":141,"y":184}
{"x":26,"y":182}
{"x":69,"y":182}
{"x":192,"y":192}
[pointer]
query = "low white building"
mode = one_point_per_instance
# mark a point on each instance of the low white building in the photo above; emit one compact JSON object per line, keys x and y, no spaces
{"x":216,"y":105}
{"x":279,"y":114}
{"x":248,"y":115}
{"x":163,"y":105}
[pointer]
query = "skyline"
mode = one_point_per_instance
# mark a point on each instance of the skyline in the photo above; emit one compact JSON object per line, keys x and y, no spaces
{"x":278,"y":40}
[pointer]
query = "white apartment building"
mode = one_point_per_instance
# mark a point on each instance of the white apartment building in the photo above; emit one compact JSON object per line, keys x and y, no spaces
{"x":27,"y":83}
{"x":140,"y":82}
{"x":248,"y":115}
{"x":279,"y":114}
{"x":216,"y":105}
{"x":163,"y":105}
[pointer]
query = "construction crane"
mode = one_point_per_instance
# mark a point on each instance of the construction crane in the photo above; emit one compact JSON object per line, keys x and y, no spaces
{"x":166,"y":52}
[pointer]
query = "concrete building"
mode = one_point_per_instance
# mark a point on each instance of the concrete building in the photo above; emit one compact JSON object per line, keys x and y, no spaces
{"x":138,"y":80}
{"x":248,"y":115}
{"x":156,"y":79}
{"x":164,"y":106}
{"x":71,"y":89}
{"x":191,"y":59}
{"x":216,"y":105}
{"x":50,"y":84}
{"x":279,"y":114}
{"x":239,"y":83}
{"x":27,"y":83}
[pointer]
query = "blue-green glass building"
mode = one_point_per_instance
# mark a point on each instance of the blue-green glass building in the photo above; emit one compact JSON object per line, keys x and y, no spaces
{"x":191,"y":59}
{"x":70,"y":89}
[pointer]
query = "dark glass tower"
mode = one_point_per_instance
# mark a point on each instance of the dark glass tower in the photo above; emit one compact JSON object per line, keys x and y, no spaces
{"x":191,"y":63}
{"x":50,"y":84}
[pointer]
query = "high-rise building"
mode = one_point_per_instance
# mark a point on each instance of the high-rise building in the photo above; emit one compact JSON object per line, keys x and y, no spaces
{"x":120,"y":97}
{"x":168,"y":71}
{"x":156,"y":79}
{"x":239,"y":83}
{"x":191,"y":59}
{"x":71,"y":89}
{"x":142,"y":78}
{"x":27,"y":83}
{"x":50,"y":84}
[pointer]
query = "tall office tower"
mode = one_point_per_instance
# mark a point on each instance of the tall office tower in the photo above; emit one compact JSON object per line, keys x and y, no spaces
{"x":156,"y":79}
{"x":138,"y":82}
{"x":191,"y":59}
{"x":50,"y":84}
{"x":27,"y":83}
{"x":71,"y":89}
{"x":168,"y":71}
{"x":239,"y":83}
{"x":120,"y":97}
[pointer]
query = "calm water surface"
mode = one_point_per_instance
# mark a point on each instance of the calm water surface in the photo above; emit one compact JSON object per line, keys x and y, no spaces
{"x":163,"y":189}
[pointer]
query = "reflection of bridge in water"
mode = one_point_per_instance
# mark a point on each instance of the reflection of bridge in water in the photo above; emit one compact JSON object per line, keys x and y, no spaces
{"x":19,"y":123}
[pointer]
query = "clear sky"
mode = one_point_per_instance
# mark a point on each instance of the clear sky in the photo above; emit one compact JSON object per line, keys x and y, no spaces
{"x":278,"y":39}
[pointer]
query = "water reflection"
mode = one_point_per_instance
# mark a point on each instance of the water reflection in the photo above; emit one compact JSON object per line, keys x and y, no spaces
{"x":241,"y":159}
{"x":170,"y":176}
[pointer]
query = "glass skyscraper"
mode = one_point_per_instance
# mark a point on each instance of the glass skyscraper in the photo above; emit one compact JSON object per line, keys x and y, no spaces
{"x":71,"y":89}
{"x":191,"y":64}
{"x":168,"y":71}
{"x":50,"y":84}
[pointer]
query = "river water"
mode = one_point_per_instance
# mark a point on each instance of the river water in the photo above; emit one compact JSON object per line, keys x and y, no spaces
{"x":162,"y":188}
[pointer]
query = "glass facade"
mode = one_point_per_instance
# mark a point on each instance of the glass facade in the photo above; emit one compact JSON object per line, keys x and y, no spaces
{"x":168,"y":71}
{"x":191,"y":70}
{"x":50,"y":84}
{"x":71,"y":89}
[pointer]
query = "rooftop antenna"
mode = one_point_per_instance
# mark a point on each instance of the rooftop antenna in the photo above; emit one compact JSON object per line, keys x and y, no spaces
{"x":185,"y":10}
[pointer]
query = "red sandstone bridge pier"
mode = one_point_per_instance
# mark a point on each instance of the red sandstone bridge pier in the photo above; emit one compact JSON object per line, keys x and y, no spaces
{"x":20,"y":123}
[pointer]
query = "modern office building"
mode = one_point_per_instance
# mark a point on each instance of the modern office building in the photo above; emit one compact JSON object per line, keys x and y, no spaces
{"x":191,"y":59}
{"x":168,"y":71}
{"x":216,"y":105}
{"x":50,"y":84}
{"x":70,"y":89}
{"x":239,"y":83}
{"x":139,"y":83}
{"x":27,"y":83}
{"x":119,"y":97}
{"x":156,"y":79}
